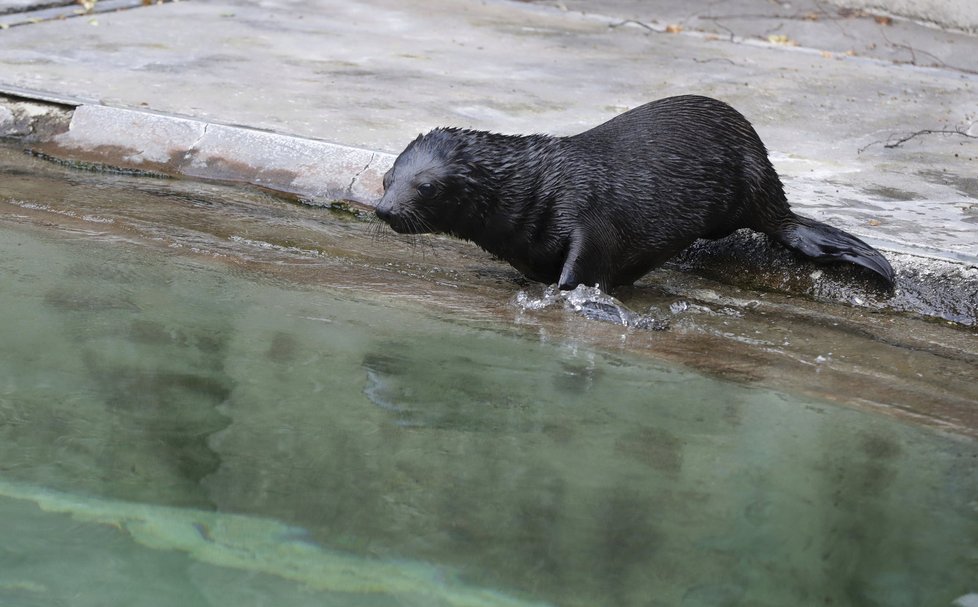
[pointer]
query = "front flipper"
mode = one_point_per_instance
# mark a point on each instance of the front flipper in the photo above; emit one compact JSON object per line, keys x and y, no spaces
{"x":584,"y":265}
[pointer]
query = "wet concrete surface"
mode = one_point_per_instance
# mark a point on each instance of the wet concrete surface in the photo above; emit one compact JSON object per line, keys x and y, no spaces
{"x":898,"y":364}
{"x":372,"y":74}
{"x":314,"y":100}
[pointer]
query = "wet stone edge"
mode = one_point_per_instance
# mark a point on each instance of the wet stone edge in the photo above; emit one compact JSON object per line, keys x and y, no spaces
{"x":320,"y":173}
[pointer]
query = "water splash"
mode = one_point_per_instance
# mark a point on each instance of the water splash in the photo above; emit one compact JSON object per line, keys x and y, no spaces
{"x":591,"y":303}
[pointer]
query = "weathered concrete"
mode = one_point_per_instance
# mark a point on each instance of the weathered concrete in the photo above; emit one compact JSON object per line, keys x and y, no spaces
{"x":372,"y":74}
{"x":16,"y":6}
{"x":17,"y":12}
{"x":960,"y":14}
{"x":30,"y":120}
{"x":149,"y":142}
{"x":804,"y":24}
{"x":879,"y":139}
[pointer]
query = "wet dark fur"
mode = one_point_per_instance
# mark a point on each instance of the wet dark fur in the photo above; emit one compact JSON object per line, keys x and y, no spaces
{"x":606,"y":206}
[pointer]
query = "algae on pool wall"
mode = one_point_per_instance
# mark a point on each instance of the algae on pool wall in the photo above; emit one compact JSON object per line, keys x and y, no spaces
{"x":390,"y":433}
{"x":160,"y":555}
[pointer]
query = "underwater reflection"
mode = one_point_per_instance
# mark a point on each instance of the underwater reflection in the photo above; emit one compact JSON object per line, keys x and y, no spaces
{"x":546,"y":471}
{"x":607,"y":482}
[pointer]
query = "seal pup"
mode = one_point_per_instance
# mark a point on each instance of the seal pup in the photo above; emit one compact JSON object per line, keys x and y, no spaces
{"x":607,"y":205}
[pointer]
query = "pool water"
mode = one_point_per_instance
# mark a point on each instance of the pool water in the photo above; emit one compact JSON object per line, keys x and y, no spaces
{"x":209,"y":396}
{"x":176,"y":429}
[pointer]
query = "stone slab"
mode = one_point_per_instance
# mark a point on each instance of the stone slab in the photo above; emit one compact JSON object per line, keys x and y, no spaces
{"x":144,"y":141}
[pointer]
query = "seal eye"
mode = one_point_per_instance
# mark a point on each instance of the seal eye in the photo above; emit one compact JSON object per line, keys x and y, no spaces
{"x":426,"y":191}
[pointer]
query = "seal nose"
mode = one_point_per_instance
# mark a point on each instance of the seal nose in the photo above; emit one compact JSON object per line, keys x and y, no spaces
{"x":384,"y":211}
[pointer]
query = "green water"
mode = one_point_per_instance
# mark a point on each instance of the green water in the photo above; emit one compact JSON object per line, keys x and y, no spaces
{"x":176,"y":431}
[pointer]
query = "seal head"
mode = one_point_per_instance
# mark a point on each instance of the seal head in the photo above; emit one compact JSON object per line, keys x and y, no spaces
{"x":425,"y":189}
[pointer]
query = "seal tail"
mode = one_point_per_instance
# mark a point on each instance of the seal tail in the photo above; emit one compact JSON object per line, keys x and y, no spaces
{"x":822,"y":242}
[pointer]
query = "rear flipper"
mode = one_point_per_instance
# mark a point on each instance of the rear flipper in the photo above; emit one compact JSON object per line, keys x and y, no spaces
{"x":822,"y":242}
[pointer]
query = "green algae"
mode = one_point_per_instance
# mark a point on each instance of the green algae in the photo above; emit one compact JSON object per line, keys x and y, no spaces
{"x":258,"y":545}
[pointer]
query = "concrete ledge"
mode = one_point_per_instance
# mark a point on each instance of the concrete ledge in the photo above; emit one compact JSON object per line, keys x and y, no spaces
{"x":31,"y":120}
{"x":315,"y":171}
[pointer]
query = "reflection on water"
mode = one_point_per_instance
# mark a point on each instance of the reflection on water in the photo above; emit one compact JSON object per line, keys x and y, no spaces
{"x":176,"y":432}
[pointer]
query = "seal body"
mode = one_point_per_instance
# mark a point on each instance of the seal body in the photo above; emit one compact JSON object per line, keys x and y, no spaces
{"x":606,"y":206}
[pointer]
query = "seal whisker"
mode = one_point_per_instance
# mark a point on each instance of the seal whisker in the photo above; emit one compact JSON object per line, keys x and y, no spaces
{"x":379,"y":230}
{"x":419,"y":227}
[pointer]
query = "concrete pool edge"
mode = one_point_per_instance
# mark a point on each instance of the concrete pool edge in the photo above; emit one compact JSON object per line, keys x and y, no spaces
{"x":319,"y":172}
{"x":316,"y":171}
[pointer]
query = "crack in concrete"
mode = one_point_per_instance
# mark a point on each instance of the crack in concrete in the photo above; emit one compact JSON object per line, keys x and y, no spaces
{"x":349,"y":188}
{"x":31,"y":14}
{"x":896,"y":141}
{"x":202,"y":135}
{"x":35,"y":6}
{"x":838,"y":18}
{"x":193,"y":149}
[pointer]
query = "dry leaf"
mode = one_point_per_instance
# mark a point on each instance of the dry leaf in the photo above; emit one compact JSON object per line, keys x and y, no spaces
{"x":873,"y":222}
{"x":673,"y":28}
{"x":826,"y":54}
{"x":883,"y":20}
{"x":781,"y":39}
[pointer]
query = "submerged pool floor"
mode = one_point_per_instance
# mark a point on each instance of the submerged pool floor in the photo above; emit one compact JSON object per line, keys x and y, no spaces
{"x":203,"y":413}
